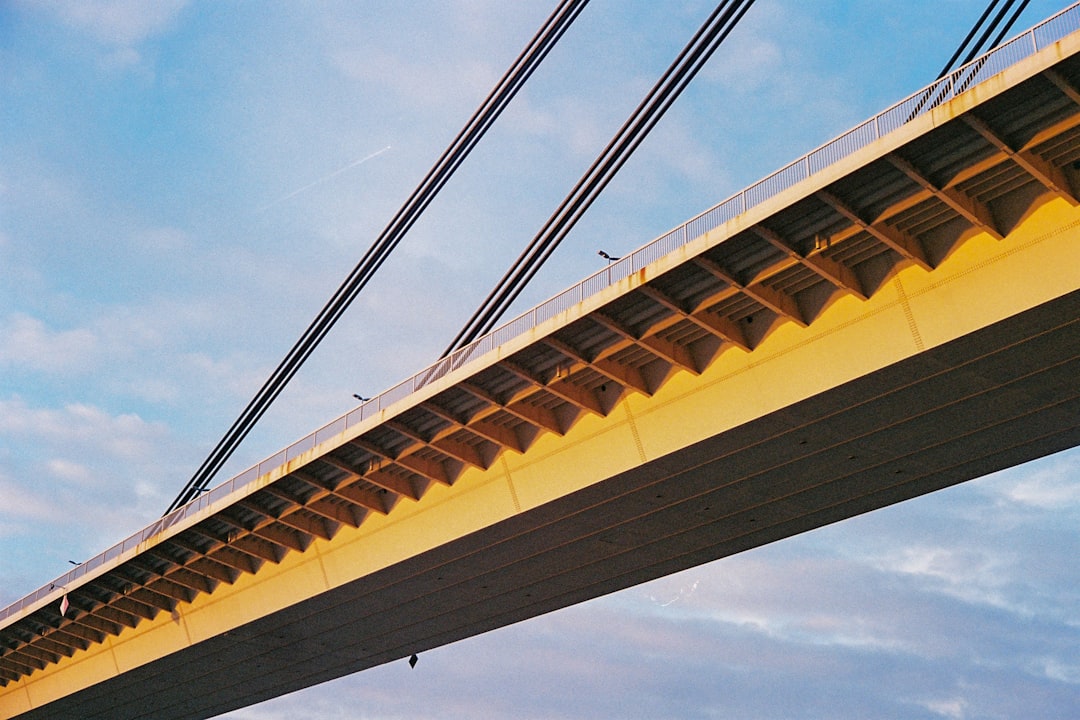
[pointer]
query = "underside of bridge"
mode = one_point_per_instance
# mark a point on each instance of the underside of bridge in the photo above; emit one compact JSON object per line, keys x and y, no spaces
{"x":902,"y":321}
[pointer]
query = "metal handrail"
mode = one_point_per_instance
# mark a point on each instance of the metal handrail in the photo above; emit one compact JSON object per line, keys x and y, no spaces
{"x":941,"y":91}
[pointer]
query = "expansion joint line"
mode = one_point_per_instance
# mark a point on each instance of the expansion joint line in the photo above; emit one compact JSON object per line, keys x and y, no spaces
{"x":909,"y":315}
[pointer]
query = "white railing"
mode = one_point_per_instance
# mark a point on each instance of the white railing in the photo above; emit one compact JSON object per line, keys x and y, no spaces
{"x":1000,"y":58}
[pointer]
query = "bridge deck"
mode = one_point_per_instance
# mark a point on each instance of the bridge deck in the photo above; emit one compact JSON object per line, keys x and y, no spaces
{"x":899,"y":321}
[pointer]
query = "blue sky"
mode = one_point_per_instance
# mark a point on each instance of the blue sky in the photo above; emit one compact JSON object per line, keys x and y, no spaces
{"x":181,"y":190}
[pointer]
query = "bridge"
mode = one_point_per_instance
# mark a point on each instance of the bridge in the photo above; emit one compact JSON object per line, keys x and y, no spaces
{"x":891,"y":314}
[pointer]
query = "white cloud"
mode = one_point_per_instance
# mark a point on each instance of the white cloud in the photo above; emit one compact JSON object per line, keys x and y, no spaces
{"x":78,"y":428}
{"x":953,"y":708}
{"x":790,"y":600}
{"x":1056,"y":669}
{"x":117,"y":22}
{"x":69,"y":471}
{"x":23,"y":503}
{"x":412,"y":78}
{"x":81,"y":469}
{"x":1053,"y":488}
{"x":976,"y":573}
{"x":121,"y":58}
{"x":754,"y":56}
{"x":29,"y":343}
{"x":966,"y":572}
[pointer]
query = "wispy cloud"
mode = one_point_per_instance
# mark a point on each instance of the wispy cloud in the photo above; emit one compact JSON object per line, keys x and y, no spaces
{"x":325,"y":178}
{"x":75,"y":429}
{"x":29,"y":343}
{"x":1056,"y":487}
{"x":91,"y":479}
{"x":116,"y":22}
{"x":952,"y":708}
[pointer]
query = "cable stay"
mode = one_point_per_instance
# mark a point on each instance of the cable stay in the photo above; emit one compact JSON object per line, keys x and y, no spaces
{"x":689,"y":61}
{"x":520,"y":71}
{"x":960,"y":83}
{"x":980,"y":45}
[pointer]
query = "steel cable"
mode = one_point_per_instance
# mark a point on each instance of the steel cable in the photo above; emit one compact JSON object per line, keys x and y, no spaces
{"x":971,"y":33}
{"x":1008,"y":26}
{"x":940,"y":91}
{"x":980,"y":45}
{"x":523,"y":67}
{"x":630,"y":135}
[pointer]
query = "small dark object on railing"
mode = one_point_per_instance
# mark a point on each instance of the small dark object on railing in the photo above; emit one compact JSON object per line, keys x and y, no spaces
{"x":607,"y":257}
